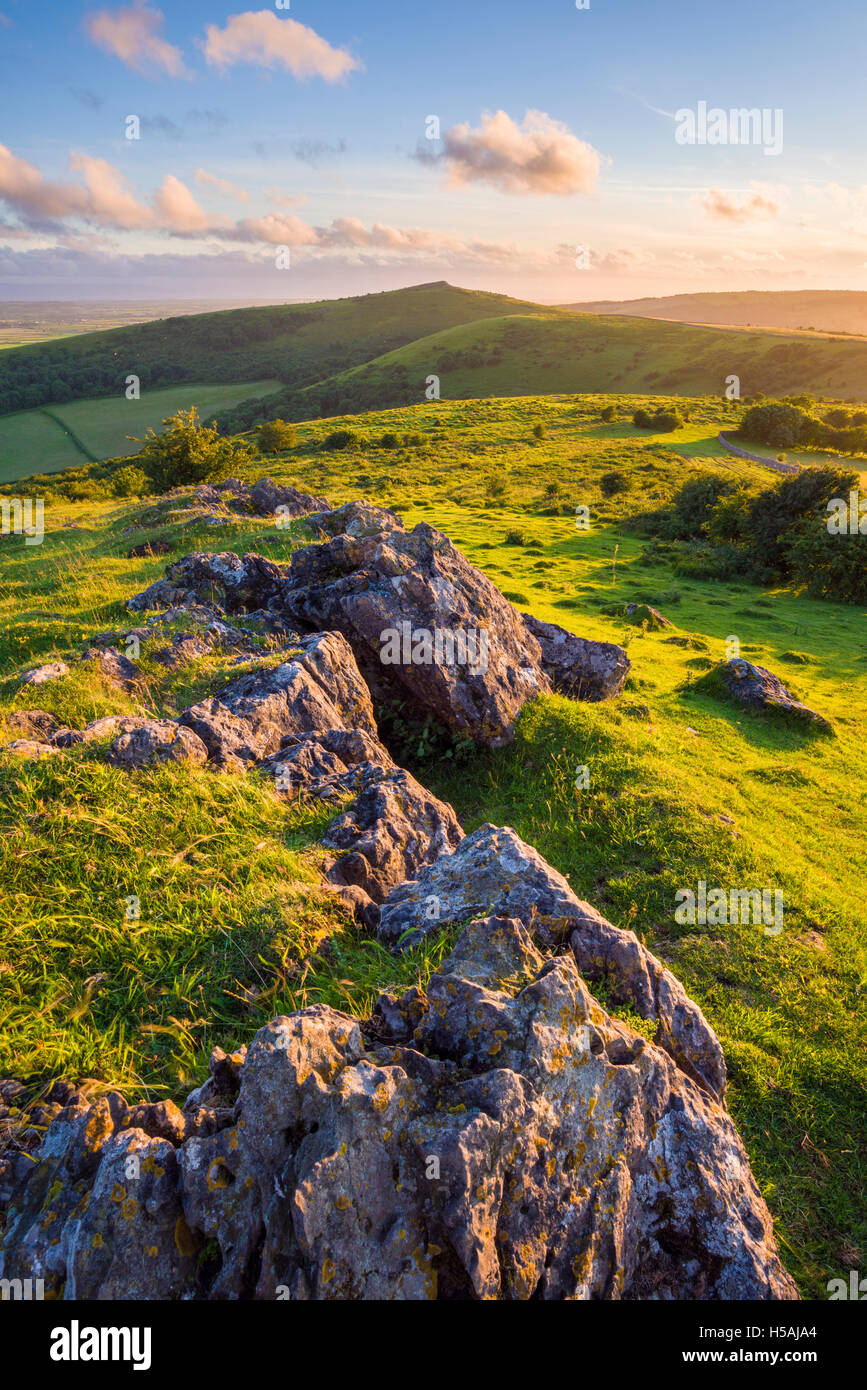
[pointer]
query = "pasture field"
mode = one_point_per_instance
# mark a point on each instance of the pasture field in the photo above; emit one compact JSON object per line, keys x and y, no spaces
{"x":682,"y":788}
{"x":34,"y":441}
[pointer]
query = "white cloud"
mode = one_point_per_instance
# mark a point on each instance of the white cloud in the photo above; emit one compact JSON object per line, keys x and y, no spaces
{"x":134,"y":35}
{"x":260,"y":38}
{"x":223,"y":186}
{"x":725,"y":207}
{"x":539,"y":156}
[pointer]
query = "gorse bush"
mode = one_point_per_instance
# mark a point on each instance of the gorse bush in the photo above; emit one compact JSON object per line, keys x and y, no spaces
{"x":129,"y":482}
{"x":790,"y":423}
{"x":344,"y":439}
{"x":662,"y":421}
{"x":190,"y":452}
{"x":613,"y":482}
{"x":275,"y":436}
{"x":776,"y":535}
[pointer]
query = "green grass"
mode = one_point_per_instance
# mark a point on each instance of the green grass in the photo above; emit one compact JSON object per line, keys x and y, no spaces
{"x":233,"y":925}
{"x":556,"y":351}
{"x":34,"y":441}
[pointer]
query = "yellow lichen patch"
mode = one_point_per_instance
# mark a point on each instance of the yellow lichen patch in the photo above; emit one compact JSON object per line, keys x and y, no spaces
{"x":380,"y":1097}
{"x":98,"y":1128}
{"x":218,"y":1175}
{"x":327,"y":1271}
{"x":129,"y":1208}
{"x":186,"y":1243}
{"x":150,"y":1165}
{"x":152,"y":1251}
{"x":118,"y":1193}
{"x":342,"y":1203}
{"x":97,"y":1242}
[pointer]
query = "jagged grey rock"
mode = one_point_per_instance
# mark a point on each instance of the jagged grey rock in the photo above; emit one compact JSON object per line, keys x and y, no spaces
{"x":493,"y":870}
{"x":318,"y":688}
{"x":116,"y":668}
{"x":325,"y":765}
{"x":51,"y":671}
{"x":157,"y":741}
{"x":522,"y":1144}
{"x":390,"y":831}
{"x":759,"y":689}
{"x":576,"y":666}
{"x":266,"y":496}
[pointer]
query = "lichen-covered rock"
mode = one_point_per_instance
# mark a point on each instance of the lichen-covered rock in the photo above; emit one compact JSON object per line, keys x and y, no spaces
{"x":117,"y":669}
{"x":576,"y":666}
{"x":424,"y":623}
{"x":230,"y":581}
{"x":109,"y":724}
{"x":266,"y":496}
{"x":157,"y":741}
{"x":29,"y":749}
{"x":390,"y":831}
{"x":318,"y":688}
{"x":357,"y":519}
{"x":493,"y":870}
{"x":517,"y":1143}
{"x":34,"y":723}
{"x":759,"y":689}
{"x":51,"y":671}
{"x":325,"y":765}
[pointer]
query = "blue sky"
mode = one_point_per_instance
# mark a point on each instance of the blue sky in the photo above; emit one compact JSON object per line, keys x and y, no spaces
{"x":312,"y":118}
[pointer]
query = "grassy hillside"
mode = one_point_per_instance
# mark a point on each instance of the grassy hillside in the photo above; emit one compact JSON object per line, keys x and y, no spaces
{"x":296,"y":343}
{"x":65,"y":436}
{"x":354,"y":355}
{"x":37,"y":321}
{"x":557,"y":351}
{"x":821,"y":311}
{"x":682,"y":788}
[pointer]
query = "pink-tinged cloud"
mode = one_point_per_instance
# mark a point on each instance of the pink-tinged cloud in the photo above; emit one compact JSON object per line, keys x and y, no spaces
{"x":276,"y":230}
{"x":178,"y":210}
{"x":726,"y":208}
{"x":223,"y":186}
{"x":104,"y":200}
{"x":260,"y":38}
{"x":5,"y":21}
{"x":109,"y":201}
{"x":134,"y":34}
{"x":539,"y":156}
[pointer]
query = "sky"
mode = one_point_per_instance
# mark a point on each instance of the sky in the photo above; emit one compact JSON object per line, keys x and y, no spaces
{"x":308,"y":150}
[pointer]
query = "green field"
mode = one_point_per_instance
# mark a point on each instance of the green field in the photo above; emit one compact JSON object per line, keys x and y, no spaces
{"x":32,"y":441}
{"x":683,"y":787}
{"x":343,"y":356}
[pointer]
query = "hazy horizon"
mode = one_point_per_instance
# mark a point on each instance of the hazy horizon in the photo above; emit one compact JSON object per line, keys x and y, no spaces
{"x":563,"y":154}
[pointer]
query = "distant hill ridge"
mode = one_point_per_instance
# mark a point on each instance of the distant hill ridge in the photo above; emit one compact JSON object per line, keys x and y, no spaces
{"x":827,"y":311}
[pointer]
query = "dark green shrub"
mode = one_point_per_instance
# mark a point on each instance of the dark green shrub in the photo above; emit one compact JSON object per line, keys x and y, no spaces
{"x":613,"y":482}
{"x":275,"y":436}
{"x":190,"y":452}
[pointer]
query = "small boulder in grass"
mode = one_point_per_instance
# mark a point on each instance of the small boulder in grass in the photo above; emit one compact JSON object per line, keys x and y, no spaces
{"x":639,"y":613}
{"x":33,"y":723}
{"x":40,"y":675}
{"x":117,"y":669}
{"x":148,"y":548}
{"x":29,"y":749}
{"x":157,"y":741}
{"x":759,"y":689}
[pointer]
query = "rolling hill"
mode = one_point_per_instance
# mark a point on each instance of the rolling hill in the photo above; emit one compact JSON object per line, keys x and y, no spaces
{"x":822,"y":311}
{"x":554,"y":351}
{"x":63,"y":402}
